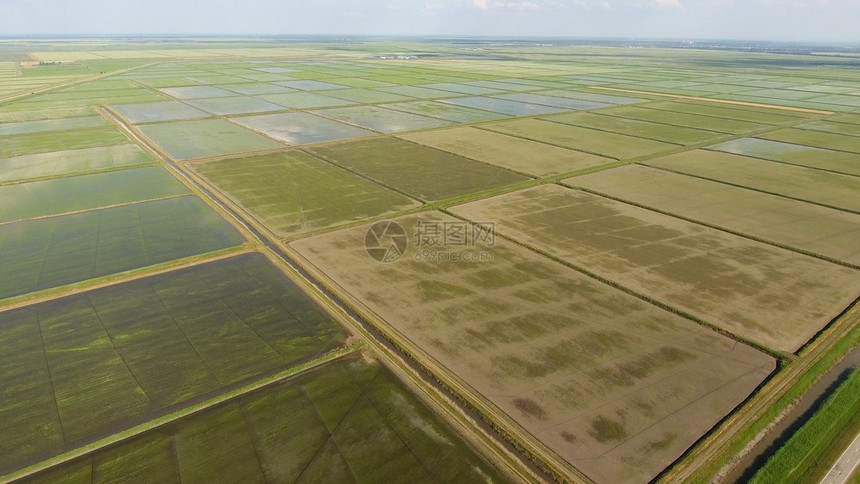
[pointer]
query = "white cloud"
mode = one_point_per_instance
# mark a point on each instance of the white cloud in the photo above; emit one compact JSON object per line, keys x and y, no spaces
{"x":675,"y":4}
{"x":488,"y":5}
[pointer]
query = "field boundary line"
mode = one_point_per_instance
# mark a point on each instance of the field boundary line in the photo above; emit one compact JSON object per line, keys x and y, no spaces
{"x":50,"y":294}
{"x":719,"y":101}
{"x":717,"y":139}
{"x":754,"y":238}
{"x":96,"y":171}
{"x":790,"y":163}
{"x":94,"y":209}
{"x":172,"y":417}
{"x":776,"y":354}
{"x":738,"y":185}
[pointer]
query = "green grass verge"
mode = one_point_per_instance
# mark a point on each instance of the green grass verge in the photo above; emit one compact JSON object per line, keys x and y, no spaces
{"x":799,"y":458}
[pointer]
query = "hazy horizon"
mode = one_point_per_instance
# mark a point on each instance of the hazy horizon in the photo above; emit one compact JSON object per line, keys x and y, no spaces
{"x":758,"y":20}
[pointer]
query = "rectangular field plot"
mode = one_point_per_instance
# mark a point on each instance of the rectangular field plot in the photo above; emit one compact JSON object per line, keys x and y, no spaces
{"x":305,"y":100}
{"x":206,"y":137}
{"x":590,"y":96}
{"x":24,"y":144}
{"x":381,"y":119}
{"x":839,"y":161}
{"x":55,"y":251}
{"x":294,"y":192}
{"x":504,"y":86}
{"x":697,"y":121}
{"x":301,"y":128}
{"x":9,"y":116}
{"x":421,"y":172}
{"x":448,"y":112}
{"x":60,"y":163}
{"x":461,"y":88}
{"x":71,"y":194}
{"x":504,"y":106}
{"x":310,"y":85}
{"x":256,"y":88}
{"x":367,"y":96}
{"x":832,"y":127}
{"x":417,"y":92}
{"x":635,"y":127}
{"x":846,"y":118}
{"x":597,"y":375}
{"x":753,"y":115}
{"x":235,"y":105}
{"x":195,"y":92}
{"x":820,"y":230}
{"x":347,"y":421}
{"x":515,"y":154}
{"x":817,"y":139}
{"x":160,"y":111}
{"x":612,"y":145}
{"x":827,"y":188}
{"x":101,"y":361}
{"x":772,"y":296}
{"x":43,"y":125}
{"x":557,"y":102}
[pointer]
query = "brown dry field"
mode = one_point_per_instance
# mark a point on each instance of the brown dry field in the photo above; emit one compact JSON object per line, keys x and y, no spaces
{"x":614,"y":385}
{"x":773,"y":296}
{"x":516,"y":154}
{"x":820,"y":230}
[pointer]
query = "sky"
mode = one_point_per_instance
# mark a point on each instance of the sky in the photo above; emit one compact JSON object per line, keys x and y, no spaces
{"x":781,"y":20}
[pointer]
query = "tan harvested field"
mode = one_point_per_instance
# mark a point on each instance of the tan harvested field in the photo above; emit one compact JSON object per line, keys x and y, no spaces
{"x":616,"y":386}
{"x":833,"y":189}
{"x":773,"y":296}
{"x":516,"y":154}
{"x":820,"y":230}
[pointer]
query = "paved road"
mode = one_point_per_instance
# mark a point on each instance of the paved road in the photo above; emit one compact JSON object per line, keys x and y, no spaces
{"x":845,"y":465}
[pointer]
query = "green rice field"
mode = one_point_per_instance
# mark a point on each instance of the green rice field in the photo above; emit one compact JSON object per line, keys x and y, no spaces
{"x":79,"y":367}
{"x":71,"y":162}
{"x":421,"y":172}
{"x":54,"y":251}
{"x":291,"y":192}
{"x":205,"y":138}
{"x":44,"y":142}
{"x":347,"y":421}
{"x":73,"y":194}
